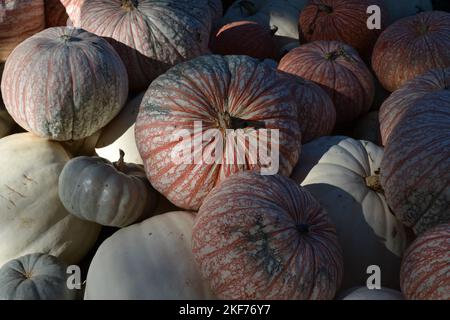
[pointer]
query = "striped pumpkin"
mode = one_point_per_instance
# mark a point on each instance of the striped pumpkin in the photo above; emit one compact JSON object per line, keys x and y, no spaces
{"x":412,"y":46}
{"x":150,"y":36}
{"x":415,"y":171}
{"x":339,"y":70}
{"x":55,"y":14}
{"x":401,"y":100}
{"x":265,"y":237}
{"x":52,"y":90}
{"x":19,"y":19}
{"x":425,"y":272}
{"x":235,"y":93}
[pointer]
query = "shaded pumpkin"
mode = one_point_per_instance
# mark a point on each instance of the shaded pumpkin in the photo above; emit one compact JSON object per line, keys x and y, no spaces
{"x":55,"y":14}
{"x":363,"y":293}
{"x":264,"y":237}
{"x":410,"y":47}
{"x":6,"y":123}
{"x":64,"y":84}
{"x":339,"y":70}
{"x":425,"y":267}
{"x":415,"y":171}
{"x":401,"y":9}
{"x":229,"y":97}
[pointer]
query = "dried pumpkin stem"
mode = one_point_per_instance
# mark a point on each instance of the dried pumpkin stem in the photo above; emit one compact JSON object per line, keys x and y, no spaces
{"x":273,"y":30}
{"x":226,"y":121}
{"x":373,"y":182}
{"x":119,"y":165}
{"x":128,"y":5}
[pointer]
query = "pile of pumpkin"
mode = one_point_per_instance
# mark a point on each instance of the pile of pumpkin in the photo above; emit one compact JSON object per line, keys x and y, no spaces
{"x":100,"y":87}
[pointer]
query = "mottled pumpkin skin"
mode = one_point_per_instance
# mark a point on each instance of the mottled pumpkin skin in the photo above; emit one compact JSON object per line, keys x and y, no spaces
{"x":425,"y":272}
{"x":401,"y":100}
{"x":64,"y":84}
{"x":55,"y":14}
{"x":149,"y":35}
{"x":415,"y":171}
{"x":19,"y":19}
{"x":208,"y":89}
{"x":265,"y":237}
{"x":339,"y":70}
{"x":340,"y":20}
{"x":412,"y":46}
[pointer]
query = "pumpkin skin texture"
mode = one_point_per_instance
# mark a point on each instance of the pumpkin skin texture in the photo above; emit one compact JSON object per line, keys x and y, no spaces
{"x":345,"y":181}
{"x":244,"y":38}
{"x":86,"y":78}
{"x":410,"y":47}
{"x":264,"y":237}
{"x":415,"y":171}
{"x":363,"y":293}
{"x":32,"y":218}
{"x":339,"y":70}
{"x":149,"y":260}
{"x":425,"y":266}
{"x":340,"y":20}
{"x":399,"y":101}
{"x":149,"y":35}
{"x":111,"y":194}
{"x":19,"y":19}
{"x":224,"y":93}
{"x":35,"y":276}
{"x":55,"y":14}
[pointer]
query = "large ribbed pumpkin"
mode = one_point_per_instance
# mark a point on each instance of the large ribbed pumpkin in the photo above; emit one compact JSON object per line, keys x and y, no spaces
{"x":399,"y":101}
{"x":19,"y":19}
{"x":425,"y":272}
{"x":415,"y":171}
{"x":149,"y":35}
{"x":55,"y":14}
{"x":338,"y":69}
{"x":235,"y":93}
{"x":265,"y":237}
{"x":340,"y":20}
{"x":412,"y":46}
{"x":64,"y":84}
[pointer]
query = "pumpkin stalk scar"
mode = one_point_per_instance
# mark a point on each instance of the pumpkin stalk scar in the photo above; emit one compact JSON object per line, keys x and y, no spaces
{"x":226,"y":121}
{"x":340,"y":52}
{"x":129,"y":5}
{"x":373,"y":182}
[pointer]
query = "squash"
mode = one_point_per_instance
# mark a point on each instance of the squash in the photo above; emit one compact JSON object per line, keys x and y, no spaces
{"x":119,"y":134}
{"x":148,"y":260}
{"x":401,"y":9}
{"x":410,"y":47}
{"x":345,"y":181}
{"x":341,"y":20}
{"x":401,"y":100}
{"x":19,"y":19}
{"x":35,"y":276}
{"x":32,"y":218}
{"x":55,"y":14}
{"x":363,"y":293}
{"x":425,"y":266}
{"x":368,"y":128}
{"x":264,"y":237}
{"x":235,"y":93}
{"x":415,"y":171}
{"x":244,"y":38}
{"x":85,"y":76}
{"x":216,"y":8}
{"x":339,"y":70}
{"x":150,"y":36}
{"x":111,"y":194}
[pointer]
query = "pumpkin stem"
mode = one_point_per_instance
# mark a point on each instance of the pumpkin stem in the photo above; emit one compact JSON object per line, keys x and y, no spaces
{"x":273,"y":30}
{"x":226,"y":121}
{"x":129,"y":5}
{"x":373,"y":182}
{"x":325,"y":8}
{"x":340,"y":52}
{"x":422,"y":28}
{"x":119,"y":165}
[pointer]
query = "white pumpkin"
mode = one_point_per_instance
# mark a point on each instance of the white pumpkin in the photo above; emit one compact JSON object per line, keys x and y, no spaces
{"x":119,"y":134}
{"x":363,"y":293}
{"x":398,"y":9}
{"x":345,"y":181}
{"x":32,"y":218}
{"x":149,"y":260}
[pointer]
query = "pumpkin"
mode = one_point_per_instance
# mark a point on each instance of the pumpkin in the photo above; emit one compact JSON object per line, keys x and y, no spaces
{"x":339,"y":70}
{"x":345,"y":181}
{"x":119,"y":134}
{"x":148,"y":260}
{"x":340,"y":20}
{"x":399,"y":101}
{"x":415,"y":171}
{"x":111,"y":194}
{"x":220,"y":93}
{"x":55,"y":13}
{"x":216,"y":9}
{"x":6,"y":123}
{"x":401,"y":9}
{"x":410,"y":47}
{"x":245,"y":37}
{"x":264,"y":237}
{"x":316,"y":112}
{"x":32,"y":218}
{"x":368,"y":128}
{"x":363,"y":293}
{"x":425,"y":266}
{"x":150,"y":36}
{"x":19,"y":19}
{"x":35,"y":276}
{"x":88,"y":84}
